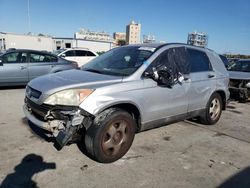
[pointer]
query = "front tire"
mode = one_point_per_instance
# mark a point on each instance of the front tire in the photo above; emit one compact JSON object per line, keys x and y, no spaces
{"x":110,"y":136}
{"x":213,"y":110}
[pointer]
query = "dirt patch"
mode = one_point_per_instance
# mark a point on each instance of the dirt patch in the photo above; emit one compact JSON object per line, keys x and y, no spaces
{"x":167,"y":138}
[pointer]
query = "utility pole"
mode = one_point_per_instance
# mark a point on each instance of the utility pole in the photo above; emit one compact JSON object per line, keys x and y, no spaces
{"x":29,"y":30}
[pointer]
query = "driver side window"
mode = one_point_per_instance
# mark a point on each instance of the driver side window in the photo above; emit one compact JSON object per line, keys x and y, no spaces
{"x":175,"y":60}
{"x":159,"y":62}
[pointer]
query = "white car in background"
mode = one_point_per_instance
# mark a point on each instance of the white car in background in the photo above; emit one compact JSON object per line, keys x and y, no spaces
{"x":79,"y":55}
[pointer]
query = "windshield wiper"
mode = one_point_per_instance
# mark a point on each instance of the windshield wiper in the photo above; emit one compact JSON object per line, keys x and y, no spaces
{"x":93,"y":70}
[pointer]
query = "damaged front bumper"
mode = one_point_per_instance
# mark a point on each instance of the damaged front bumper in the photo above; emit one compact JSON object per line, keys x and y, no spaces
{"x":63,"y":123}
{"x":241,"y":93}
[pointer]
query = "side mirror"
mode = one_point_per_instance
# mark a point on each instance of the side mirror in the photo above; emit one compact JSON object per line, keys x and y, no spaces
{"x":165,"y":78}
{"x":148,"y":75}
{"x":162,"y":77}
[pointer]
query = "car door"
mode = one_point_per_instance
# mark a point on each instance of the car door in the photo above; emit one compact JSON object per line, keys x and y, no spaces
{"x":69,"y":55}
{"x":40,"y":64}
{"x":203,"y":80}
{"x":13,"y":69}
{"x":164,"y":104}
{"x":81,"y":57}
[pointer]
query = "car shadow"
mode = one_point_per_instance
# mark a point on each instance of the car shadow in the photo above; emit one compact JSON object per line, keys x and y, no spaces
{"x":240,"y":179}
{"x":22,"y":176}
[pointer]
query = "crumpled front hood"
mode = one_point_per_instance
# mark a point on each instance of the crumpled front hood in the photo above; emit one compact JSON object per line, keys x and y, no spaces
{"x":52,"y":83}
{"x":237,"y":75}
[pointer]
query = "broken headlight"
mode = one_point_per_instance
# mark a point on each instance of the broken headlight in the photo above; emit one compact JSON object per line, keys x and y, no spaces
{"x":72,"y":97}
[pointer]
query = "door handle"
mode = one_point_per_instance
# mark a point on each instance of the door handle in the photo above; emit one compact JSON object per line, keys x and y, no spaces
{"x":23,"y":67}
{"x":210,"y":75}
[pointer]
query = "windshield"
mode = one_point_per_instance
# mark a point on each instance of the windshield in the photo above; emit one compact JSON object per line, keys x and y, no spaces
{"x":242,"y":66}
{"x":56,"y":52}
{"x":122,"y":61}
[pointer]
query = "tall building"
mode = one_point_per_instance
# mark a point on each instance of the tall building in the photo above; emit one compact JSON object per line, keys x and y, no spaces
{"x":92,"y":35}
{"x":133,"y":33}
{"x":197,"y":39}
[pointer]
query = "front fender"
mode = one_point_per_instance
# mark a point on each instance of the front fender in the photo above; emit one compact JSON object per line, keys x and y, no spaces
{"x":95,"y":105}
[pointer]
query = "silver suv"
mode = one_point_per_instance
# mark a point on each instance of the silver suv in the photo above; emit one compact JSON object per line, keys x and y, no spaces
{"x":127,"y":90}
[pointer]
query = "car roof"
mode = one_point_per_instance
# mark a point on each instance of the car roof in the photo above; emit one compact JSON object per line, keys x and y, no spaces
{"x":160,"y":45}
{"x":29,"y":50}
{"x":64,"y":49}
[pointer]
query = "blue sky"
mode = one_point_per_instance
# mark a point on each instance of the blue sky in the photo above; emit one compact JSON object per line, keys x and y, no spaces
{"x":227,"y":22}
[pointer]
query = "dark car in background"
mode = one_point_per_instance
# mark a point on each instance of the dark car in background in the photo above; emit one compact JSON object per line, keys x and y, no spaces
{"x":239,"y":74}
{"x":224,"y":60}
{"x":18,"y":67}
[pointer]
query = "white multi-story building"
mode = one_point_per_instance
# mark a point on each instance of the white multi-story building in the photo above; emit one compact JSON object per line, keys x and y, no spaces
{"x":197,"y":39}
{"x":92,"y":35}
{"x":133,"y":33}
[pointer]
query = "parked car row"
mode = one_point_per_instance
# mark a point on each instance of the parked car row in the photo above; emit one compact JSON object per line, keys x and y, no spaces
{"x":18,"y":67}
{"x":79,"y":55}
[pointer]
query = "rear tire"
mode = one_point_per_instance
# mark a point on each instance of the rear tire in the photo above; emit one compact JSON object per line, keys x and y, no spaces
{"x":213,"y":110}
{"x":110,"y":136}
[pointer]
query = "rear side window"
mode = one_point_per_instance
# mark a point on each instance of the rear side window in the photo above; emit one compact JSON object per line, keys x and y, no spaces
{"x":81,"y":53}
{"x":199,"y":61}
{"x":51,"y":58}
{"x":38,"y":58}
{"x":69,"y":53}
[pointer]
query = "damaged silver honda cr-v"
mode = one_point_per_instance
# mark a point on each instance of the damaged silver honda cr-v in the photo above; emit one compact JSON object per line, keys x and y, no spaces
{"x":127,"y":90}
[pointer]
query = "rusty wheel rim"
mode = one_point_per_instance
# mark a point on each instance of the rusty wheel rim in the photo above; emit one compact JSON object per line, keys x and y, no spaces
{"x":115,"y":138}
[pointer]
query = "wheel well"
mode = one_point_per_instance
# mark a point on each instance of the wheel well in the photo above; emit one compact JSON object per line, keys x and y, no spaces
{"x":131,"y":109}
{"x":223,"y":98}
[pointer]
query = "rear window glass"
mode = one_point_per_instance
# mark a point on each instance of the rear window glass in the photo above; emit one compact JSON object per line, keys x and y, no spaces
{"x":90,"y":54}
